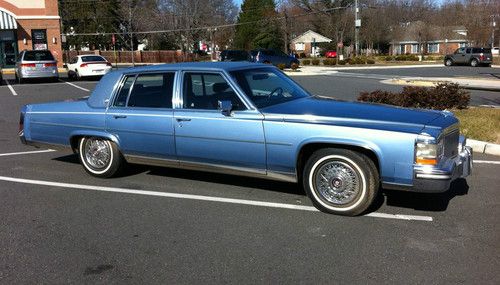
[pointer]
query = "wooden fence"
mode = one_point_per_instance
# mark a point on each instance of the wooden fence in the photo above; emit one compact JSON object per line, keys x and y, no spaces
{"x":158,"y":56}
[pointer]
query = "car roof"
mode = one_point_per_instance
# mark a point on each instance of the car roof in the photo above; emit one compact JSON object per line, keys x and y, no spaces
{"x":105,"y":87}
{"x":211,"y":66}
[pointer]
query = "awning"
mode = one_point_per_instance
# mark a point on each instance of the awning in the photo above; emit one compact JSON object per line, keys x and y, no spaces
{"x":7,"y":21}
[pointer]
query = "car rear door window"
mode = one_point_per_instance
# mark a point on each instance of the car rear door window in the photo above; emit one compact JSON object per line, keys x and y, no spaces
{"x":152,"y":91}
{"x":204,"y":90}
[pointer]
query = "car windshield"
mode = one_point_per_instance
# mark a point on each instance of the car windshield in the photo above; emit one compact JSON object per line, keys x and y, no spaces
{"x":92,"y":58}
{"x":268,"y":86}
{"x":38,"y":55}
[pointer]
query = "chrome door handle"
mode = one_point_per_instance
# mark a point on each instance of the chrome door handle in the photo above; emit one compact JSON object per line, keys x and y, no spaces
{"x":119,"y":116}
{"x":182,"y":119}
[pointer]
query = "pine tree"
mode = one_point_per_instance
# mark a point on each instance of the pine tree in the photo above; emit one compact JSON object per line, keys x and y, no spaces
{"x":257,"y":26}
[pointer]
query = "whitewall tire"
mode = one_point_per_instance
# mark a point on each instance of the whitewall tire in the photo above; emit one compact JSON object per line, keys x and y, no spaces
{"x":99,"y":157}
{"x":341,"y":181}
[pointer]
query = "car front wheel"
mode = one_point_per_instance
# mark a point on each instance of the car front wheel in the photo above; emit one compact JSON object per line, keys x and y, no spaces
{"x":448,"y":62}
{"x":340,"y":181}
{"x":100,"y":157}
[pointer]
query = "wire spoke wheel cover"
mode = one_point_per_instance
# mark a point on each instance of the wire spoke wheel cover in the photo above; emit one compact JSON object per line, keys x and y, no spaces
{"x":97,"y":153}
{"x":337,"y":182}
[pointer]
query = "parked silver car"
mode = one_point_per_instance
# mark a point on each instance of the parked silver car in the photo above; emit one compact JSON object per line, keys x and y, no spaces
{"x":36,"y":64}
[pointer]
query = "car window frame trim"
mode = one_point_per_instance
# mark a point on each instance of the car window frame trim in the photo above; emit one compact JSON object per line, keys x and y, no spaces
{"x":180,"y":99}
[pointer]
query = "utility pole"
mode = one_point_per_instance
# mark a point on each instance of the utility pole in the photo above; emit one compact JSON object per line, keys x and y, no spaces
{"x":287,"y":50}
{"x":357,"y":25}
{"x":130,"y":31}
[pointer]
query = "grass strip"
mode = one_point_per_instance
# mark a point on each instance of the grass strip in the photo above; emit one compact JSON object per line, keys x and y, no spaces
{"x":480,"y":123}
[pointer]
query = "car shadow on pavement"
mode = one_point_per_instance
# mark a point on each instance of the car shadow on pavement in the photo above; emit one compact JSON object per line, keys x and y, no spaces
{"x":434,"y":202}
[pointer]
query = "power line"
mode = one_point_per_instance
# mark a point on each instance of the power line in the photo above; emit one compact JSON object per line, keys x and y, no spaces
{"x":209,"y":27}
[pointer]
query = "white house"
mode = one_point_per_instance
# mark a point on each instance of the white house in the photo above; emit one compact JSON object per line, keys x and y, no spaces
{"x":307,"y":43}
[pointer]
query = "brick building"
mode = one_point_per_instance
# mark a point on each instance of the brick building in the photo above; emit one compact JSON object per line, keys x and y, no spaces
{"x":422,"y":38}
{"x":29,"y":24}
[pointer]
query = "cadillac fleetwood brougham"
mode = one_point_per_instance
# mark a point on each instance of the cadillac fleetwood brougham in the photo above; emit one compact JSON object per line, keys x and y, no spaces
{"x":251,"y":119}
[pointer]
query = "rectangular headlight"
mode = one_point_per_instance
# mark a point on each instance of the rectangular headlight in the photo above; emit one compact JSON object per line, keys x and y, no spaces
{"x":427,"y":153}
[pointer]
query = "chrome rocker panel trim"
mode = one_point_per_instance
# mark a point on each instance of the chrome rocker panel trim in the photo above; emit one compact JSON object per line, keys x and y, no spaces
{"x":210,"y":167}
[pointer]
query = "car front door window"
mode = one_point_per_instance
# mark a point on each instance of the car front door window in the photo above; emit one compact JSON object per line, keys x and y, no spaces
{"x":204,"y":90}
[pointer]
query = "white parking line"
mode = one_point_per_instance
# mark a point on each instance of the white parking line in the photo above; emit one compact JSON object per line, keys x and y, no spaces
{"x":74,"y":85}
{"x":487,"y":161}
{"x":199,"y":197}
{"x":10,"y":87}
{"x":26,"y":152}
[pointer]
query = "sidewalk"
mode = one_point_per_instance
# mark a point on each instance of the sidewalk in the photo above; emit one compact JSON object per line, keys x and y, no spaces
{"x":467,"y":83}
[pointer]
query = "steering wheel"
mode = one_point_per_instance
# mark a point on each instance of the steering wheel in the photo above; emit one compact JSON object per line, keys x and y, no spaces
{"x":278,"y":91}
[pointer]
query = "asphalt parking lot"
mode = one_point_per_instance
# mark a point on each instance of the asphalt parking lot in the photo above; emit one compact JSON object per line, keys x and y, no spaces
{"x":161,"y":225}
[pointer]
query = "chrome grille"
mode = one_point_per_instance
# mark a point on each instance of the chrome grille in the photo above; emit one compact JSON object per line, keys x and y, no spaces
{"x":451,"y":143}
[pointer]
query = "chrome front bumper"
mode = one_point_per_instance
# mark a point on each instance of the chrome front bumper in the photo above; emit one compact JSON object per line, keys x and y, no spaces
{"x":438,"y":179}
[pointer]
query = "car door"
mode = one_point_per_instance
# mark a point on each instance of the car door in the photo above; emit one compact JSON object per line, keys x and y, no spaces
{"x":459,"y":56}
{"x":141,"y":115}
{"x":205,"y":136}
{"x":18,"y":63}
{"x":468,"y":55}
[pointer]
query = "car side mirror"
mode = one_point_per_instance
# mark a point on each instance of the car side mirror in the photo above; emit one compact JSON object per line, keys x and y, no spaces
{"x":65,"y":66}
{"x":225,"y":107}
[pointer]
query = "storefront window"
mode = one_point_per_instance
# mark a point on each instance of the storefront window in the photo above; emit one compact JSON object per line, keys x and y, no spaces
{"x":39,"y":39}
{"x":8,"y":48}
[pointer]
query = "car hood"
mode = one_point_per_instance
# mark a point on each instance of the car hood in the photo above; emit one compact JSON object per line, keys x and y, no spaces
{"x":322,"y":110}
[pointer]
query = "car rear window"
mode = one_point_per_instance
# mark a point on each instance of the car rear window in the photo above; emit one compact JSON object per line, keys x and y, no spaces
{"x":38,"y":55}
{"x":92,"y":58}
{"x":481,"y":50}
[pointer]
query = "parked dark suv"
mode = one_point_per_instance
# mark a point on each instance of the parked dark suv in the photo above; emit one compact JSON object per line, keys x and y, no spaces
{"x":473,"y":56}
{"x":272,"y":56}
{"x":234,"y":55}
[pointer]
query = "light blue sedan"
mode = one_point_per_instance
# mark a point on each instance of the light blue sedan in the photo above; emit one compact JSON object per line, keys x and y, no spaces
{"x":251,"y":119}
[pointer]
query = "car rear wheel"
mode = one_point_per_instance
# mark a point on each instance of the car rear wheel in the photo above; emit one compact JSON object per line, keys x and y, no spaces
{"x":448,"y":62}
{"x":340,"y":181}
{"x":100,"y":157}
{"x":474,"y":63}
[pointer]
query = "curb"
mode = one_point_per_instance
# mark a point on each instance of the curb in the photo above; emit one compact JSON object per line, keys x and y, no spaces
{"x":484,"y":147}
{"x":357,"y":67}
